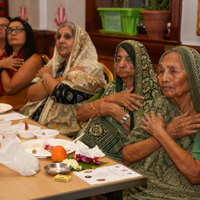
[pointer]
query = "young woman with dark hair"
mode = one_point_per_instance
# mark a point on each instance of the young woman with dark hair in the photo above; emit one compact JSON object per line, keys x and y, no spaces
{"x":29,"y":45}
{"x":20,"y":43}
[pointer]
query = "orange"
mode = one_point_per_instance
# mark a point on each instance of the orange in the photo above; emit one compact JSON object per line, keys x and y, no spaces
{"x":58,"y":154}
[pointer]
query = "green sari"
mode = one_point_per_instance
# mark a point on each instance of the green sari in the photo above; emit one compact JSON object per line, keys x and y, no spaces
{"x":106,"y":132}
{"x":164,"y":179}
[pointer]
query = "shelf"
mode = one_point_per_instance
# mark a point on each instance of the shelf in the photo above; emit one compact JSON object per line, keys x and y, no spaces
{"x":106,"y":43}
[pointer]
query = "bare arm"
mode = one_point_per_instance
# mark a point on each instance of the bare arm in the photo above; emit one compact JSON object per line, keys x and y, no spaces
{"x":179,"y":127}
{"x":37,"y":92}
{"x":85,"y":111}
{"x":124,"y":98}
{"x":46,"y":87}
{"x":182,"y":159}
{"x":22,"y":77}
{"x":134,"y":152}
{"x":114,"y":110}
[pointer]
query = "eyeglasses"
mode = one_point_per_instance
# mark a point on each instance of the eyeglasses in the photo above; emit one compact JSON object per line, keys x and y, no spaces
{"x":3,"y":25}
{"x":17,"y":30}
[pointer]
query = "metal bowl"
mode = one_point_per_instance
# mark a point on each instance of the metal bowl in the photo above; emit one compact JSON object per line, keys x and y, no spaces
{"x":57,"y":168}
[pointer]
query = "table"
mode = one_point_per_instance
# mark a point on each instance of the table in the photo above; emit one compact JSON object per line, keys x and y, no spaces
{"x":42,"y":186}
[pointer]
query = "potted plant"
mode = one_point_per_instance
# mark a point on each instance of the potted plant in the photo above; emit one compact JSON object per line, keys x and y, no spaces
{"x":118,"y":17}
{"x":156,"y":16}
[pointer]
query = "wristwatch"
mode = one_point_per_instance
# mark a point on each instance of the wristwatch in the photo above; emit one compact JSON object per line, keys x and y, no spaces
{"x":124,"y":118}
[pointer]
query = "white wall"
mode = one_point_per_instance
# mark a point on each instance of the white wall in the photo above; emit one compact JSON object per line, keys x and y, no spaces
{"x":189,"y":23}
{"x":42,"y":13}
{"x":32,"y":9}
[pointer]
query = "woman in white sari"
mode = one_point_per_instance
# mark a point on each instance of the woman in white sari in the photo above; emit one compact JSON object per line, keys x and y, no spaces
{"x":72,"y":76}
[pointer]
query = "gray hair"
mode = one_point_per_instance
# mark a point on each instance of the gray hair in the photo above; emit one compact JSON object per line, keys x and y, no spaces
{"x":70,"y":25}
{"x":168,"y":51}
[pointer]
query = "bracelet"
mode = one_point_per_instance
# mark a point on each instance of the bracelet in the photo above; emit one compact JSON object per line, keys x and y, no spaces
{"x":105,"y":98}
{"x":92,"y":106}
{"x":45,"y":77}
{"x":124,"y":118}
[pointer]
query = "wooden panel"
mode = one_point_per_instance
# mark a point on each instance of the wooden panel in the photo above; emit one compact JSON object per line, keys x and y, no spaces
{"x":108,"y":61}
{"x":198,"y":19}
{"x":45,"y":42}
{"x":176,"y":11}
{"x":106,"y":45}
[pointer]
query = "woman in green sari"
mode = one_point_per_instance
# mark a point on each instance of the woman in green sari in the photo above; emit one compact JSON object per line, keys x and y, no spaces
{"x":135,"y":85}
{"x":170,"y":161}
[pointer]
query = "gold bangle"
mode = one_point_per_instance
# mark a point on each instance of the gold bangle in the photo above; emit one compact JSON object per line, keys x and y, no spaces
{"x":92,"y":105}
{"x":45,"y":77}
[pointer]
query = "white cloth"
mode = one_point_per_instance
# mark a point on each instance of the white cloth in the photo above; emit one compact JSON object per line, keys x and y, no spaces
{"x":84,"y":150}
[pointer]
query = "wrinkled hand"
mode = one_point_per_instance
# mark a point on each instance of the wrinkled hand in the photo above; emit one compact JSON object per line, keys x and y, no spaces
{"x":127,"y":99}
{"x":11,"y":62}
{"x":43,"y":71}
{"x":152,"y":123}
{"x":83,"y":69}
{"x":104,"y":110}
{"x":183,"y":125}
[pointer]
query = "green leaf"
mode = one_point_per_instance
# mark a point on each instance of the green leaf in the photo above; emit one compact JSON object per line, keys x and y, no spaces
{"x":70,"y":157}
{"x":89,"y":166}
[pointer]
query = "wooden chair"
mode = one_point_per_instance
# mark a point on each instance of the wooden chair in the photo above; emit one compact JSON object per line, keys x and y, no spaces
{"x":45,"y":58}
{"x":108,"y":74}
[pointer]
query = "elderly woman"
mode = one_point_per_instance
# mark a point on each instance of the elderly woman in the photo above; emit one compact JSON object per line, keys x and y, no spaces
{"x":72,"y":76}
{"x":135,"y":85}
{"x":170,"y":161}
{"x":20,"y":63}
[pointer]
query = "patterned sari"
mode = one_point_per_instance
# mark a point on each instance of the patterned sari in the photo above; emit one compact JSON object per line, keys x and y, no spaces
{"x":164,"y":180}
{"x":62,"y":117}
{"x":106,"y":132}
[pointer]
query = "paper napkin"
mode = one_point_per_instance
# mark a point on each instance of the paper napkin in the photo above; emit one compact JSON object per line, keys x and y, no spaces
{"x":83,"y":149}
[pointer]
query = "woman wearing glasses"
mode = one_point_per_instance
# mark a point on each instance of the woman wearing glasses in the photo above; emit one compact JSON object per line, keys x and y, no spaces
{"x":20,"y":43}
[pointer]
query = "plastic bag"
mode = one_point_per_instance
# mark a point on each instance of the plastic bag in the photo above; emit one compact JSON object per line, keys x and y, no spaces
{"x":13,"y":155}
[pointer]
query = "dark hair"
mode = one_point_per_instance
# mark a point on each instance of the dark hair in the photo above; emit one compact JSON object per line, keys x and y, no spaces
{"x":7,"y":17}
{"x":29,"y":46}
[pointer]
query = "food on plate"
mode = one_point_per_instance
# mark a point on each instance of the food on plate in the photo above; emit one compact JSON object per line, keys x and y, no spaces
{"x":34,"y":151}
{"x":49,"y":147}
{"x":34,"y":145}
{"x":71,"y":162}
{"x":58,"y":154}
{"x":43,"y":133}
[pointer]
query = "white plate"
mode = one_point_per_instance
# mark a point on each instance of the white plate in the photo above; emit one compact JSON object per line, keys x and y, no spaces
{"x":5,"y":107}
{"x":39,"y":152}
{"x":21,"y":127}
{"x":39,"y":145}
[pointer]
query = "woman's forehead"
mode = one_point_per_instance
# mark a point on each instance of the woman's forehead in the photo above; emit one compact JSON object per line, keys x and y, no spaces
{"x":170,"y":57}
{"x":4,"y":20}
{"x":15,"y":23}
{"x":121,"y":50}
{"x":66,"y":29}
